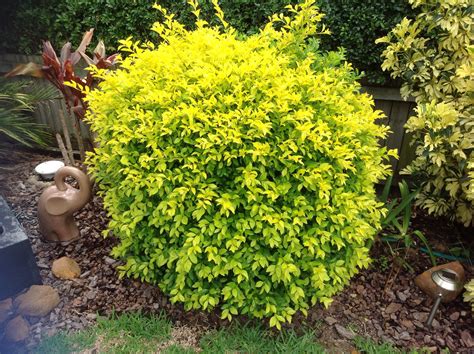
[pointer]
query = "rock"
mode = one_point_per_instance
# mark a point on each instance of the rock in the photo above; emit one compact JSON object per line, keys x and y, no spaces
{"x":109,"y":261}
{"x":404,"y":336}
{"x":421,"y":316}
{"x":454,"y":316}
{"x":34,"y":182}
{"x":91,"y":295}
{"x":85,"y":274}
{"x":415,"y":302}
{"x":330,"y":320}
{"x":42,"y":265}
{"x":390,"y":295}
{"x":343,"y":332}
{"x":91,"y":316}
{"x":6,"y":309}
{"x":424,"y":282}
{"x":407,"y":324}
{"x":392,"y":308}
{"x":93,"y":282}
{"x":38,"y":301}
{"x":418,"y":324}
{"x":360,"y":289}
{"x":66,"y":268}
{"x":17,"y":330}
{"x":402,"y":296}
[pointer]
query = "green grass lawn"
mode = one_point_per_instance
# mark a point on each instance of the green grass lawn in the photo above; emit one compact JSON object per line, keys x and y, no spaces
{"x":135,"y":333}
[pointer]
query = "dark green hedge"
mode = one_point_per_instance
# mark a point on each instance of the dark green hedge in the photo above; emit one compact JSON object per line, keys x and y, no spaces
{"x":23,"y":24}
{"x":355,"y":24}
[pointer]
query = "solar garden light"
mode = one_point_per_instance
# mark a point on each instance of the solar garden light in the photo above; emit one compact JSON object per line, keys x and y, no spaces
{"x":447,"y":281}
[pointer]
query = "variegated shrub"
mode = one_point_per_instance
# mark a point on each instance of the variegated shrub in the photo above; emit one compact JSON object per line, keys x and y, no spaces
{"x":433,"y":55}
{"x":469,"y":293}
{"x":239,"y":172}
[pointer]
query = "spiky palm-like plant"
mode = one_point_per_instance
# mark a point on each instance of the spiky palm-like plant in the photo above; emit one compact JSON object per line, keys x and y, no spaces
{"x":17,"y":100}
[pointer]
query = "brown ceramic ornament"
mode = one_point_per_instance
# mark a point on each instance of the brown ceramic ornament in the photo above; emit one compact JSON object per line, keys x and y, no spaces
{"x":58,"y":203}
{"x":427,"y":285}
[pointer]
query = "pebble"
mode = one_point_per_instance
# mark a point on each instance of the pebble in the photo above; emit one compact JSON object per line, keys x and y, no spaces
{"x":418,"y":324}
{"x":415,"y":302}
{"x":42,"y":265}
{"x":404,"y":336}
{"x":407,"y":323}
{"x":53,"y":317}
{"x":85,"y":274}
{"x":392,"y":308}
{"x":390,"y":295}
{"x":109,"y":261}
{"x":343,"y":332}
{"x":330,"y":320}
{"x":93,"y":282}
{"x":91,"y":316}
{"x":91,"y":294}
{"x":421,"y":316}
{"x":401,"y":296}
{"x":454,"y":316}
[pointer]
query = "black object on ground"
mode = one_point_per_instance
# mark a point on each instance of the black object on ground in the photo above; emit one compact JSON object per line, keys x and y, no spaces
{"x":18,"y":269}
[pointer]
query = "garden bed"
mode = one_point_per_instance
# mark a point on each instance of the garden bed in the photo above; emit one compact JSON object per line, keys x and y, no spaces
{"x":381,"y":303}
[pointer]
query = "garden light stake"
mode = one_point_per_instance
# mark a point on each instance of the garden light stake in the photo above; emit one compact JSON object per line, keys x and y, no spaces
{"x":447,"y":281}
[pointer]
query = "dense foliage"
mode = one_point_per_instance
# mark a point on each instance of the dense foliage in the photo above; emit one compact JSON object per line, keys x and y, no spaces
{"x":18,"y":99}
{"x":354,"y":25}
{"x":24,"y":24}
{"x":469,"y":294}
{"x":434,"y":57}
{"x":239,"y":172}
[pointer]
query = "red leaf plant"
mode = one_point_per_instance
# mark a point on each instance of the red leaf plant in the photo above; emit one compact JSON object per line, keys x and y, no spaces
{"x":61,"y":70}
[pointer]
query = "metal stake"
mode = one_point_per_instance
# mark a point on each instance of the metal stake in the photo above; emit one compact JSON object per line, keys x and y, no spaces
{"x":433,"y":310}
{"x":447,"y":281}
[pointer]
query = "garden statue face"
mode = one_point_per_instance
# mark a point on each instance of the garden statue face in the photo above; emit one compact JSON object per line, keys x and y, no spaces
{"x":58,"y":203}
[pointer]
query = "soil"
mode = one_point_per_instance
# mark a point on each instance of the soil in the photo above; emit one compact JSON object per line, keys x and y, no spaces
{"x":381,"y":303}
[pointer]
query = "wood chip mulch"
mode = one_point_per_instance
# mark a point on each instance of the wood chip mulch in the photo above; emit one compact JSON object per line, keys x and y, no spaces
{"x":381,"y":303}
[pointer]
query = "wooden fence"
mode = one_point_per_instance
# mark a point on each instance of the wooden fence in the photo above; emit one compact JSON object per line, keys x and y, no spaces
{"x":397,"y":111}
{"x":388,"y":100}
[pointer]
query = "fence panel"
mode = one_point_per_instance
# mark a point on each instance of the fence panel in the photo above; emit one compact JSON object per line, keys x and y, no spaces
{"x":397,"y":112}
